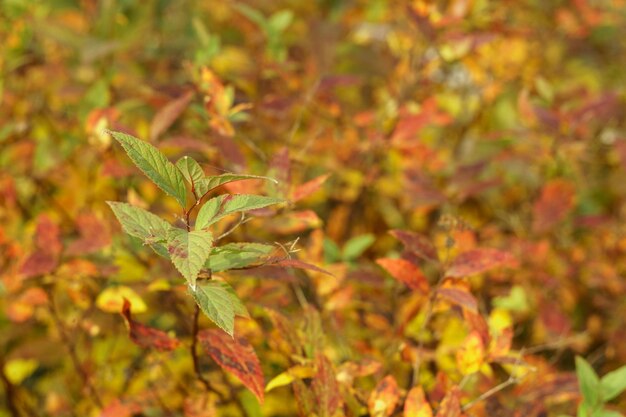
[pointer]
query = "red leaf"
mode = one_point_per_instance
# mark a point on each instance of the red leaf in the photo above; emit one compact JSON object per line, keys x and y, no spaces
{"x":325,"y":387}
{"x":416,"y":243}
{"x":459,"y":297}
{"x":93,"y":235}
{"x":309,"y":187}
{"x":167,"y":115}
{"x":405,"y":272}
{"x":145,"y":336}
{"x":416,"y":404}
{"x":477,"y":261}
{"x":451,"y":404}
{"x":48,"y":247}
{"x":556,"y":201}
{"x":384,"y":398}
{"x":236,"y":356}
{"x":295,"y":263}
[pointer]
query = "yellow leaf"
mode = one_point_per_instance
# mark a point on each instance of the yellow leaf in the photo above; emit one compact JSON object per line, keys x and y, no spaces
{"x":112,"y":299}
{"x":18,"y":370}
{"x":287,"y":377}
{"x":470,"y":357}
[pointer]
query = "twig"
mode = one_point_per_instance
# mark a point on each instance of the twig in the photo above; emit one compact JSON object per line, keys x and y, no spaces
{"x":241,"y":221}
{"x":511,"y":381}
{"x":9,"y":390}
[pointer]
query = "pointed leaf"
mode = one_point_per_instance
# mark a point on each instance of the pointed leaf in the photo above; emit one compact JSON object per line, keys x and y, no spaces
{"x":48,"y":247}
{"x":193,"y":173}
{"x":459,"y":297}
{"x":556,"y":201}
{"x":588,"y":382}
{"x":470,"y":356}
{"x":216,"y":181}
{"x":383,"y":399}
{"x":613,"y":383}
{"x":189,"y":251}
{"x":416,"y":243}
{"x":145,"y":336}
{"x":407,"y":273}
{"x":477,"y":261}
{"x":238,"y":255}
{"x":236,"y":356}
{"x":219,"y":302}
{"x":295,"y":263}
{"x":451,"y":404}
{"x":155,"y":165}
{"x":140,"y":223}
{"x":325,"y":387}
{"x":357,"y":245}
{"x":223,"y":205}
{"x":309,"y":187}
{"x":416,"y":405}
{"x":166,"y":116}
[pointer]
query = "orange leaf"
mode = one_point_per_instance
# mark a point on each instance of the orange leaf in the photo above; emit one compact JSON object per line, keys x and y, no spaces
{"x":405,"y":272}
{"x":93,"y":235}
{"x":384,"y":398}
{"x":416,"y":243}
{"x":145,"y":336}
{"x":48,"y":247}
{"x":236,"y":356}
{"x":416,"y":405}
{"x":556,"y":201}
{"x":166,"y":116}
{"x":309,"y":187}
{"x":459,"y":297}
{"x":325,"y":387}
{"x":470,"y":357}
{"x":451,"y":404}
{"x":477,"y":261}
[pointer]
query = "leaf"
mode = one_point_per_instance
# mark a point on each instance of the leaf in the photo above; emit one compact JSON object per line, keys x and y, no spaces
{"x":145,"y":336}
{"x":325,"y":387}
{"x":112,"y":299}
{"x":588,"y":382}
{"x":237,"y":255}
{"x":280,"y":20}
{"x":236,"y":356}
{"x":93,"y":235}
{"x":309,"y":187}
{"x":141,"y":223}
{"x":221,"y":206}
{"x":405,"y":272}
{"x":416,"y":405}
{"x":607,"y":413}
{"x":470,"y":356}
{"x":613,"y":383}
{"x":167,"y":115}
{"x":477,"y":261}
{"x":291,"y":374}
{"x":219,"y":302}
{"x":155,"y":165}
{"x":451,"y":404}
{"x":295,"y":263}
{"x":216,"y":181}
{"x":555,"y":202}
{"x":459,"y":297}
{"x":189,"y":251}
{"x":48,"y":246}
{"x":193,"y":173}
{"x":416,"y":243}
{"x":384,"y":398}
{"x":356,"y":246}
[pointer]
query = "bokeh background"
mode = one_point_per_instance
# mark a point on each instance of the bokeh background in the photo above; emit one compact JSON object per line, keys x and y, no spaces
{"x":476,"y":123}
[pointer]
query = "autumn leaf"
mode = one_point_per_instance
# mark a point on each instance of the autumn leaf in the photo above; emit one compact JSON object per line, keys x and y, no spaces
{"x":477,"y":261}
{"x":416,"y":405}
{"x":45,"y":257}
{"x":145,"y":336}
{"x":94,"y":235}
{"x":384,"y":398}
{"x":555,"y":202}
{"x":451,"y":404}
{"x":325,"y":387}
{"x":167,"y":115}
{"x":406,"y":272}
{"x":236,"y":356}
{"x":417,"y":244}
{"x":470,"y":356}
{"x":308,"y":188}
{"x":459,"y":297}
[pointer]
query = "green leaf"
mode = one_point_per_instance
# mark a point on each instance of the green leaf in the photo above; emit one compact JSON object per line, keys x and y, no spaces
{"x":225,"y":204}
{"x":216,"y":181}
{"x":280,"y":20}
{"x":613,"y":383}
{"x":219,"y":302}
{"x":189,"y":251}
{"x":356,"y":246}
{"x":194,"y":175}
{"x":155,"y":165}
{"x":332,"y":253}
{"x":141,"y":223}
{"x":588,"y":381}
{"x":237,"y":255}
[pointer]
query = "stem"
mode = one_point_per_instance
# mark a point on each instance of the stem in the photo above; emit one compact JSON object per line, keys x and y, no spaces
{"x":194,"y":355}
{"x":72,"y":351}
{"x":512,"y":380}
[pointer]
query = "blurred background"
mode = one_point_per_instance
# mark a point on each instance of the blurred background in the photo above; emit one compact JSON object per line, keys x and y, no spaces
{"x":475,"y":123}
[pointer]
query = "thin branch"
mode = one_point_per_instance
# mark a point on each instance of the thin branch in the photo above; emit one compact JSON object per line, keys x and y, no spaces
{"x":241,"y":221}
{"x":511,"y":381}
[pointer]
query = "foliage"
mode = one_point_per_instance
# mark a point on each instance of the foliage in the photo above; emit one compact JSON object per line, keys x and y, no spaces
{"x":384,"y":208}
